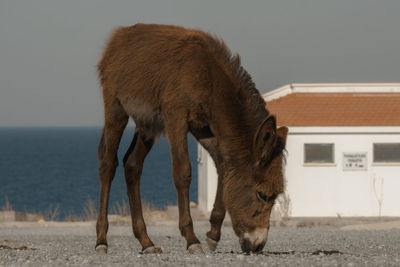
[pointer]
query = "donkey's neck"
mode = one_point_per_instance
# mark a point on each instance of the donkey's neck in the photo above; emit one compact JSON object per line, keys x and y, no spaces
{"x":235,"y":124}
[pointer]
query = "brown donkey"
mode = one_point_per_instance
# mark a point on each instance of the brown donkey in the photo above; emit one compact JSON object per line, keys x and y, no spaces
{"x":172,"y":81}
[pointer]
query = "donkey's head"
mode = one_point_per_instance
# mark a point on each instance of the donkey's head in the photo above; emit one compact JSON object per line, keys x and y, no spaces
{"x":250,"y":199}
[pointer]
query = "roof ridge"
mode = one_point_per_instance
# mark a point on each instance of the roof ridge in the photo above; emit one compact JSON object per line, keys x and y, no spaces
{"x":332,"y":88}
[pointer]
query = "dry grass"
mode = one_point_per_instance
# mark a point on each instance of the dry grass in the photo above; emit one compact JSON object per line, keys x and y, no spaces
{"x":120,"y":211}
{"x":89,"y":211}
{"x":7,"y":206}
{"x":152,"y":214}
{"x":71,"y":217}
{"x":52,"y":214}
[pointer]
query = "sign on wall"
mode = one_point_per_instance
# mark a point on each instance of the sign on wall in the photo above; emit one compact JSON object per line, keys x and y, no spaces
{"x":355,"y":161}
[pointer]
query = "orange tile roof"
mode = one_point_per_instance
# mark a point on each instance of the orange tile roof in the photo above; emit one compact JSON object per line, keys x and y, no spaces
{"x":337,"y":109}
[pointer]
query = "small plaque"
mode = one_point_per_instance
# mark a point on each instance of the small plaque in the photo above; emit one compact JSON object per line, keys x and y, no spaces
{"x":355,"y":161}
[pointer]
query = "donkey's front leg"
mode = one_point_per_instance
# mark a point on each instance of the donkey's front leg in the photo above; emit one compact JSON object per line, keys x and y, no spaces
{"x":218,"y":212}
{"x":181,"y":171}
{"x":216,"y":218}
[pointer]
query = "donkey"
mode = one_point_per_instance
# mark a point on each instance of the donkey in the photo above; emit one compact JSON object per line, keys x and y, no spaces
{"x":175,"y":81}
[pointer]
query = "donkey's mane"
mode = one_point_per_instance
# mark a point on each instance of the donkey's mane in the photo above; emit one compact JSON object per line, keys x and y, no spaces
{"x":254,"y":102}
{"x":232,"y":62}
{"x":240,"y":76}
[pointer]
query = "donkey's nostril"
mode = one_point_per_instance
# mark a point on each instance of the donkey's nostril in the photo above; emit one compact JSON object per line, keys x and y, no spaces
{"x":259,"y":248}
{"x":246,"y":245}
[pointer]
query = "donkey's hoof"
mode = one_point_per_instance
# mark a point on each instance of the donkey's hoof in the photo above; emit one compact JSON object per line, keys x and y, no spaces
{"x":101,"y":249}
{"x":212,"y":244}
{"x":152,"y":250}
{"x":195,"y":249}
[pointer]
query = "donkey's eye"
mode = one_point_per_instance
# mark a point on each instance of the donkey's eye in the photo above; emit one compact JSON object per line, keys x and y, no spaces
{"x":261,"y":196}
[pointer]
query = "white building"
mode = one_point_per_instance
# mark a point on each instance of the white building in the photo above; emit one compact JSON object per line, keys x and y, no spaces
{"x":343,"y":150}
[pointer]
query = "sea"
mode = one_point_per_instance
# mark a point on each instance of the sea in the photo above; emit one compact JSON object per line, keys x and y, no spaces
{"x":42,"y":168}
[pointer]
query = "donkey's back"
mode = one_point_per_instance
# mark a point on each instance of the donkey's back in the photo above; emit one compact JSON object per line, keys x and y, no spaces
{"x":148,"y":68}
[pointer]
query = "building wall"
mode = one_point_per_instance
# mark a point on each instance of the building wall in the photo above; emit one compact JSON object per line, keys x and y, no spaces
{"x":328,"y":190}
{"x":207,"y":180}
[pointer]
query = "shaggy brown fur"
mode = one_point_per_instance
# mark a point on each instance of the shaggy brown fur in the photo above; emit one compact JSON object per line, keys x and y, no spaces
{"x":173,"y":80}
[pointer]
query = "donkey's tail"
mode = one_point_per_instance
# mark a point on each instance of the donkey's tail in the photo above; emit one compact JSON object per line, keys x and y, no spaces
{"x":102,"y":147}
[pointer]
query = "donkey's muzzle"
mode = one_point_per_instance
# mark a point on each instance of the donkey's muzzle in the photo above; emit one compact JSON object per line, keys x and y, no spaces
{"x":254,"y":241}
{"x":248,"y":247}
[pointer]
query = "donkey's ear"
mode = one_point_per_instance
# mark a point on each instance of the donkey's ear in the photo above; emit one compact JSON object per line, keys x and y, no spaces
{"x":283,"y":132}
{"x":264,"y":140}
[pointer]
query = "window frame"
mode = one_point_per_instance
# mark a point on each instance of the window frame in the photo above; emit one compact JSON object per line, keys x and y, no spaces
{"x":383,"y":163}
{"x":319,"y":164}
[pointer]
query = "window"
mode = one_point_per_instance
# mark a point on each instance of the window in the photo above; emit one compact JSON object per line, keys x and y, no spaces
{"x":387,"y":153}
{"x":318,"y":153}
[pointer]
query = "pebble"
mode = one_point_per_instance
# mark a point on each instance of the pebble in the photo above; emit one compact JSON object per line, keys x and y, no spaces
{"x":286,"y":247}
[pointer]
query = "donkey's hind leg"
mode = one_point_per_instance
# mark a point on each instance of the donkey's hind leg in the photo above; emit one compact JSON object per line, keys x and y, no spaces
{"x":133,"y":163}
{"x":114,"y":125}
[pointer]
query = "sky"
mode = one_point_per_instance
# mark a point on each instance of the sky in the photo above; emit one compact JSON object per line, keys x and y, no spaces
{"x":49,"y":48}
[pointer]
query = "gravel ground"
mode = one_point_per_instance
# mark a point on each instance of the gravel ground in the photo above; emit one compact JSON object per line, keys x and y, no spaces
{"x":73,"y":244}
